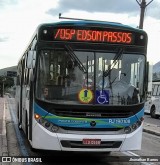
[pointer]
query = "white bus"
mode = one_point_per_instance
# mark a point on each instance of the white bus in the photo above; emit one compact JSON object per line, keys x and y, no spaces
{"x":81,"y":86}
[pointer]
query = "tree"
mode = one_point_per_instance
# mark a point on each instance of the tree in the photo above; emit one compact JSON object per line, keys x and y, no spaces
{"x":1,"y":89}
{"x":7,"y":81}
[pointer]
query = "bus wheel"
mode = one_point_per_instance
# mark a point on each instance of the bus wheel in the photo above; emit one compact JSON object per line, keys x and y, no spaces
{"x":153,"y":113}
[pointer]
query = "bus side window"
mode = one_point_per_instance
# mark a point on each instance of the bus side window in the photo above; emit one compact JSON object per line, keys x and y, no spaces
{"x":18,"y":80}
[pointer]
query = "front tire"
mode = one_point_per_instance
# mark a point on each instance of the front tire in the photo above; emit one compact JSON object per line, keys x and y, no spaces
{"x":153,"y":113}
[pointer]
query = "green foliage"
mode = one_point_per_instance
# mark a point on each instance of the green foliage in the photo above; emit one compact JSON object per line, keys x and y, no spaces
{"x":8,"y":81}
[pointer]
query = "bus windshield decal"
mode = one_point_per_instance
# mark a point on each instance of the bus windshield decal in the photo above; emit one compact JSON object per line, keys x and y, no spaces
{"x":93,"y":35}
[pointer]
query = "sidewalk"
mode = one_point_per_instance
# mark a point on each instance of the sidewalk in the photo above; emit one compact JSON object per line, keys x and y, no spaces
{"x":149,"y":128}
{"x":3,"y":139}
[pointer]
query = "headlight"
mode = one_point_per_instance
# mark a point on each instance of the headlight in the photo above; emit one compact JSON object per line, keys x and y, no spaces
{"x":127,"y":130}
{"x":41,"y":121}
{"x":46,"y":124}
{"x":133,"y":127}
{"x":139,"y":123}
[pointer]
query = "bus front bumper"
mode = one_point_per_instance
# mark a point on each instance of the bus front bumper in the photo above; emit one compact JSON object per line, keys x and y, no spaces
{"x":46,"y":140}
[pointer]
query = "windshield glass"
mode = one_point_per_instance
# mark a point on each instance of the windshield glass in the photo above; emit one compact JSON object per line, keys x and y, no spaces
{"x":81,"y":77}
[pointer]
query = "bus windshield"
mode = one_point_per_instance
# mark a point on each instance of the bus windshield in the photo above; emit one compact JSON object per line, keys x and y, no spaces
{"x":113,"y":78}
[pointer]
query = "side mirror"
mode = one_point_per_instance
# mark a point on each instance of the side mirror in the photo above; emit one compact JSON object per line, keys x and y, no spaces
{"x":31,"y":59}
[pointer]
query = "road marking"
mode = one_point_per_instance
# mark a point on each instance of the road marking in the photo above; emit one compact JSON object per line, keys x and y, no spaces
{"x":129,"y":153}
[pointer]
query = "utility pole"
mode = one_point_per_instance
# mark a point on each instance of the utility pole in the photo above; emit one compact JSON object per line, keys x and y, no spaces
{"x":143,"y":6}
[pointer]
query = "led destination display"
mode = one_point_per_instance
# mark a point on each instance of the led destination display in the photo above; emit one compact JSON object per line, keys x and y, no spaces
{"x":93,"y":35}
{"x":85,"y":34}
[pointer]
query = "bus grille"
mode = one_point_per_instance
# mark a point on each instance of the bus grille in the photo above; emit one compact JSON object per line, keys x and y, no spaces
{"x":98,"y":114}
{"x":90,"y":129}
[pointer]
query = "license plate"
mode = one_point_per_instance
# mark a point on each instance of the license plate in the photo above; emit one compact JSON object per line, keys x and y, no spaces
{"x":92,"y":142}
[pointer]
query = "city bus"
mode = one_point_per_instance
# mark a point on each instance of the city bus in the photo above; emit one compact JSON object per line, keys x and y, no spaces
{"x":81,"y":86}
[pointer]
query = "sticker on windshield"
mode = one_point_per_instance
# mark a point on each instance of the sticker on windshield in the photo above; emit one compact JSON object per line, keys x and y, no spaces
{"x":85,"y":96}
{"x":102,"y":97}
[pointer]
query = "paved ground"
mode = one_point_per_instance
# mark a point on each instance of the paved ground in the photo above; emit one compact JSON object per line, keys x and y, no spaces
{"x":3,"y":139}
{"x":149,"y":128}
{"x":1,"y":114}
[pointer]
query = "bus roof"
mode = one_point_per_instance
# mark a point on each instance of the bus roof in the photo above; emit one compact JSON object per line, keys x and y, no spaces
{"x":92,"y":23}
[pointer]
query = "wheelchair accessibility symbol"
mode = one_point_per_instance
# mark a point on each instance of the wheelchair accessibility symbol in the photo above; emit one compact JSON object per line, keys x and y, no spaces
{"x":102,"y":97}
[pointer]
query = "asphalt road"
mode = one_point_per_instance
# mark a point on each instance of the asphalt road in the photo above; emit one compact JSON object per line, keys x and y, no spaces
{"x":148,"y":119}
{"x":19,"y":146}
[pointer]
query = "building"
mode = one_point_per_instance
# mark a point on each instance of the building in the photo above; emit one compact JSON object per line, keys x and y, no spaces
{"x":3,"y":72}
{"x":7,"y":72}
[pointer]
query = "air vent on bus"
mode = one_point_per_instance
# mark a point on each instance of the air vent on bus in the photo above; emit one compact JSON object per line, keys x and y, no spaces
{"x":78,"y":144}
{"x":88,"y":114}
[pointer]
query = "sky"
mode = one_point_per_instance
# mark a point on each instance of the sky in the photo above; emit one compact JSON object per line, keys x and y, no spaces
{"x":20,"y":18}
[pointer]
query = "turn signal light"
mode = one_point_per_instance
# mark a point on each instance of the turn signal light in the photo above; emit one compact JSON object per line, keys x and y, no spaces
{"x":36,"y":116}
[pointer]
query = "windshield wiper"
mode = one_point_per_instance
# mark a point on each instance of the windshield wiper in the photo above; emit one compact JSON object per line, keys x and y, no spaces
{"x":110,"y":67}
{"x":115,"y":60}
{"x":75,"y":58}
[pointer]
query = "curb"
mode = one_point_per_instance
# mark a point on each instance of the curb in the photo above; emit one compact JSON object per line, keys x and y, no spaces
{"x":151,"y":128}
{"x":4,"y":137}
{"x":151,"y":132}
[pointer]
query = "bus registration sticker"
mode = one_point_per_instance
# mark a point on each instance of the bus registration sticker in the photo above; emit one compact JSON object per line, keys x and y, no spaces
{"x":85,"y":96}
{"x":92,"y":141}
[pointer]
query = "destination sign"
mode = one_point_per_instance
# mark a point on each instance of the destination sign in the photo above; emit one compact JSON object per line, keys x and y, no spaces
{"x":89,"y":35}
{"x":92,"y":34}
